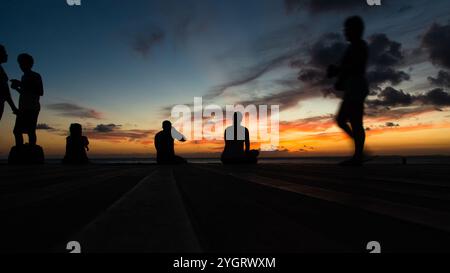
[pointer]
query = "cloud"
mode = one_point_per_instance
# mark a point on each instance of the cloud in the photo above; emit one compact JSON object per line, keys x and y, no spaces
{"x":436,"y":97}
{"x":178,"y":22}
{"x":436,"y":41}
{"x":391,"y":97}
{"x":385,"y":56}
{"x":311,"y":124}
{"x":327,"y":50}
{"x":384,"y":52}
{"x":144,"y":40}
{"x":312,"y":81}
{"x":74,"y":111}
{"x":386,"y":114}
{"x":317,"y":6}
{"x":44,"y":126}
{"x":285,"y":99}
{"x":106,"y":128}
{"x":442,"y":79}
{"x":379,"y":76}
{"x":253,"y":73}
{"x":391,"y":124}
{"x":116,"y":134}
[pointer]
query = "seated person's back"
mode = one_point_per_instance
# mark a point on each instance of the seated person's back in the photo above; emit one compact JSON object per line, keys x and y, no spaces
{"x":76,"y":146}
{"x":165,"y":146}
{"x":237,"y":144}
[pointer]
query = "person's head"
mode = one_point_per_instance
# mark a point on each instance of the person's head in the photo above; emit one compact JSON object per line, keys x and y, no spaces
{"x":3,"y":55}
{"x":167,"y":125}
{"x":76,"y":130}
{"x":354,"y":28}
{"x":237,"y":118}
{"x":26,"y":62}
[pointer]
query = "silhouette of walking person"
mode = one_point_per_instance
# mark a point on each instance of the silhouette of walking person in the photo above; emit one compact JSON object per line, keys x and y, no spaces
{"x":165,"y":147}
{"x":30,"y":89}
{"x":76,"y":146}
{"x":237,"y":144}
{"x":351,"y":79}
{"x":5,"y":94}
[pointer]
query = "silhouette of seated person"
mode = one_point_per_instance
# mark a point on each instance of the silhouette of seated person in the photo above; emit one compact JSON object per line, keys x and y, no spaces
{"x":165,"y":147}
{"x":76,"y":146}
{"x":237,"y":144}
{"x":30,"y":88}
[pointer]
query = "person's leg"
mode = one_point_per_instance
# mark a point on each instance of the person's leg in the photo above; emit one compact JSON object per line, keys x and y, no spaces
{"x":18,"y":131}
{"x":358,"y":130}
{"x":179,"y":160}
{"x":32,"y":124}
{"x":19,"y":139}
{"x":342,"y":118}
{"x":32,"y":138}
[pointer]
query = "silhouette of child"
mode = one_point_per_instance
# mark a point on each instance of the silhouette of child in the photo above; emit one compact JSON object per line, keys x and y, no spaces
{"x":30,"y":89}
{"x":5,"y":95}
{"x":76,"y":146}
{"x":165,"y":147}
{"x":351,"y":79}
{"x":237,"y":144}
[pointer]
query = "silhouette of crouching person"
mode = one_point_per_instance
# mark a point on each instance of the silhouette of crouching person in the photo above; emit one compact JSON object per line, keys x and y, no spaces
{"x":237,"y":144}
{"x":76,"y":146}
{"x":165,"y":147}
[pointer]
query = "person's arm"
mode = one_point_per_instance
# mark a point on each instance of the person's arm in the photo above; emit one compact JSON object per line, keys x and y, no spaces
{"x":86,"y":143}
{"x":39,"y":85}
{"x":10,"y":101}
{"x":17,"y":85}
{"x":177,"y":135}
{"x":247,"y":140}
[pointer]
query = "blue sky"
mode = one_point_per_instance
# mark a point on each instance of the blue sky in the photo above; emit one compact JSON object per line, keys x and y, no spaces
{"x":87,"y":55}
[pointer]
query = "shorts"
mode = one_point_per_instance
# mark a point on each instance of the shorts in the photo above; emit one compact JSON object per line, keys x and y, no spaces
{"x":26,"y":122}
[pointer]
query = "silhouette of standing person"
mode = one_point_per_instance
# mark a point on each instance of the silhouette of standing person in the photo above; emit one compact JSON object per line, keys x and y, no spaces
{"x":165,"y":147}
{"x":5,"y":95}
{"x":76,"y":146}
{"x":351,"y":79}
{"x":237,"y":144}
{"x":30,"y":89}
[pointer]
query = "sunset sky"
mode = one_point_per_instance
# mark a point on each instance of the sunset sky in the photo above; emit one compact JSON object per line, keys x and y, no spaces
{"x":117,"y":67}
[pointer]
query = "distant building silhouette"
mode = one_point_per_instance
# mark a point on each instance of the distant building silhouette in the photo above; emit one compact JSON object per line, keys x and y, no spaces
{"x":237,"y":144}
{"x":351,"y":79}
{"x":165,"y":146}
{"x":76,"y":146}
